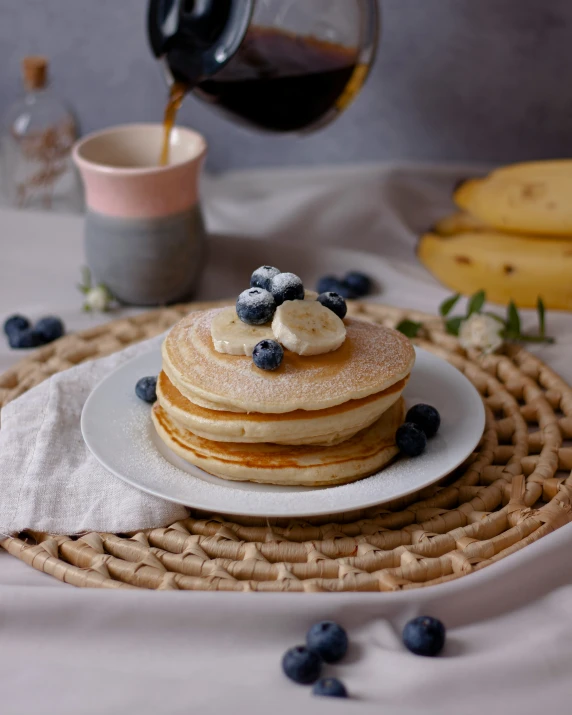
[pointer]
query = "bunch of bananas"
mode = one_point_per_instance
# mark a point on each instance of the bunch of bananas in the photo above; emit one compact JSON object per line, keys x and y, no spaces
{"x":512,"y":236}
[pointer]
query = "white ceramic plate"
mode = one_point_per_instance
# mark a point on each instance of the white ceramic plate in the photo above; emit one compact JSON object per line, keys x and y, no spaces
{"x":117,"y":428}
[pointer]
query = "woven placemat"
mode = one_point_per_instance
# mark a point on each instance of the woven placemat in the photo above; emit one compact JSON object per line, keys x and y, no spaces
{"x":514,"y":489}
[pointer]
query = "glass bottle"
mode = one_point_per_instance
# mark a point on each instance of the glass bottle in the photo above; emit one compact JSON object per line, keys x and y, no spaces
{"x":38,"y":133}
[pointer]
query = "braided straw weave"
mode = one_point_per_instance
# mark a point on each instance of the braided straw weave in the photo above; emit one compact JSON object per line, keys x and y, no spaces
{"x":515,"y":488}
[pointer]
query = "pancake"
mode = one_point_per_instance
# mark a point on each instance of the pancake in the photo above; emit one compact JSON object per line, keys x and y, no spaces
{"x":358,"y":457}
{"x":371,"y":359}
{"x":321,"y":427}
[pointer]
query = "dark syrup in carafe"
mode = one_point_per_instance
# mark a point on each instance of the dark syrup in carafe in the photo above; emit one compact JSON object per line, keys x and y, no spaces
{"x":276,"y":81}
{"x":284,"y":82}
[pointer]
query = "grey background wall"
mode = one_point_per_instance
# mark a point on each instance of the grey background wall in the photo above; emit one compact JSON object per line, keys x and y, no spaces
{"x":486,"y":80}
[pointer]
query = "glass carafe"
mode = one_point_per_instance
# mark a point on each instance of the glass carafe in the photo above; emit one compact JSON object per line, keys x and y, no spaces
{"x":278,"y":65}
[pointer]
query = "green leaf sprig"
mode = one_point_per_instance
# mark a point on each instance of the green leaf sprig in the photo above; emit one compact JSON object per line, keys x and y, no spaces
{"x":511,"y":325}
{"x":88,"y":289}
{"x":410,"y":328}
{"x":85,"y":286}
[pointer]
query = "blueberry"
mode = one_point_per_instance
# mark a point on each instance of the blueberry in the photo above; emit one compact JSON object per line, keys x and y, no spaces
{"x":27,"y":338}
{"x":334,"y":302}
{"x":425,"y":417}
{"x":262,"y":276}
{"x":329,"y":284}
{"x":146,"y":389}
{"x":49,"y":329}
{"x":329,"y":640}
{"x":302,"y":665}
{"x":267,"y":354}
{"x":345,"y":291}
{"x":255,"y":306}
{"x":15,"y":323}
{"x":424,"y":636}
{"x":359,"y":283}
{"x":286,"y":286}
{"x":331,"y":687}
{"x":410,"y":439}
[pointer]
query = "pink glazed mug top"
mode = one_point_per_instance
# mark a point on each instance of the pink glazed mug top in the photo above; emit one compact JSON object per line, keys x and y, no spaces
{"x":122,"y":177}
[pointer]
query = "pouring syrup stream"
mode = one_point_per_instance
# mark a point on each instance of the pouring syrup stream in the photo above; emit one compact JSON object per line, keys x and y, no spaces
{"x":176,"y":95}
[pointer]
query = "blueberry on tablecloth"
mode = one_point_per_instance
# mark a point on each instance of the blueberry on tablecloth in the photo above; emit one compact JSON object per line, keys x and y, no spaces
{"x":50,"y":328}
{"x":329,"y":640}
{"x":424,"y":636}
{"x":302,"y":665}
{"x":16,"y":323}
{"x":330,"y":687}
{"x":27,"y":338}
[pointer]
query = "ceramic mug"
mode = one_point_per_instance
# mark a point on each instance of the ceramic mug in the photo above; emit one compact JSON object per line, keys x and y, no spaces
{"x":144,"y":232}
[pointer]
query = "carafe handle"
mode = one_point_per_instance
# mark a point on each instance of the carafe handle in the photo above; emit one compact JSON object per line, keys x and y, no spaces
{"x":196,"y":38}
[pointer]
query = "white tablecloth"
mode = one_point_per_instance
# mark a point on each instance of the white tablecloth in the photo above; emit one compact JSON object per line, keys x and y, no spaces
{"x":64,"y":650}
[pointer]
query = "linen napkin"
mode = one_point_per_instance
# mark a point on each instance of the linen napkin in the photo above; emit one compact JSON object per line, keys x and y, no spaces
{"x":49,"y":480}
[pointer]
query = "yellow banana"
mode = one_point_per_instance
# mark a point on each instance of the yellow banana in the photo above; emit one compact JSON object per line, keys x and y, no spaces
{"x":531,"y":198}
{"x":507,"y":267}
{"x":458,"y":223}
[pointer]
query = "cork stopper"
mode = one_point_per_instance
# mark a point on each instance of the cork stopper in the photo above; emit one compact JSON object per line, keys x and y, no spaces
{"x":35,"y":71}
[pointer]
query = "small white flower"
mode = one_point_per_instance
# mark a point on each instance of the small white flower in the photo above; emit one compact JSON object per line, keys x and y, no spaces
{"x":481,"y":332}
{"x":98,"y":298}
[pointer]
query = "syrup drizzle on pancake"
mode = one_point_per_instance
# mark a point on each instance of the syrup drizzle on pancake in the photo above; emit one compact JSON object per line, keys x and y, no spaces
{"x":371,"y":359}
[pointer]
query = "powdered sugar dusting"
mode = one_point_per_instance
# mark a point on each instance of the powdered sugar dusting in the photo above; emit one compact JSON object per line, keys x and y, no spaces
{"x":287,"y":286}
{"x":256,"y":298}
{"x":263,"y":275}
{"x":255,"y":306}
{"x":371,"y":359}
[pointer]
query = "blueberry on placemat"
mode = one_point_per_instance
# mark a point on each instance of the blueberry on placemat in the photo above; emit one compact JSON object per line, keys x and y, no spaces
{"x":358,"y":282}
{"x":329,"y":640}
{"x":262,"y":276}
{"x":27,"y":338}
{"x":425,"y":417}
{"x":344,"y":290}
{"x":49,"y":329}
{"x":334,"y":302}
{"x":302,"y":665}
{"x":267,"y":354}
{"x":146,"y":389}
{"x":330,"y":687}
{"x":16,"y":323}
{"x":410,"y":439}
{"x":255,"y":306}
{"x":424,"y":636}
{"x":326,"y":284}
{"x":286,"y":286}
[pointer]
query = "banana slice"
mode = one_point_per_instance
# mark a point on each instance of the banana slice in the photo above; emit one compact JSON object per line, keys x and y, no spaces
{"x":233,"y":337}
{"x":310,"y":295}
{"x":307,"y":328}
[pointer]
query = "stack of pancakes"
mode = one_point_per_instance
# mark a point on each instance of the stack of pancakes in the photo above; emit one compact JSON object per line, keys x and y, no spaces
{"x":317,"y":420}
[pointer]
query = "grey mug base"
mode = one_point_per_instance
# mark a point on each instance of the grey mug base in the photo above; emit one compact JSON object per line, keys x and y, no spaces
{"x":144,"y":261}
